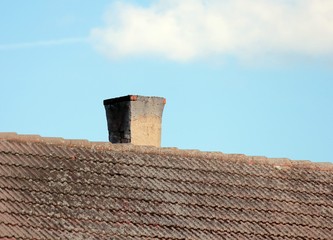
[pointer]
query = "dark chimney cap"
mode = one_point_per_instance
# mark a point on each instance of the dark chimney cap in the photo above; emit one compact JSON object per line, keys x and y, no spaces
{"x":126,"y":99}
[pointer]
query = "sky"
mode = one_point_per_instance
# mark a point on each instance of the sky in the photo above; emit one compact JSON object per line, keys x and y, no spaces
{"x":252,"y":77}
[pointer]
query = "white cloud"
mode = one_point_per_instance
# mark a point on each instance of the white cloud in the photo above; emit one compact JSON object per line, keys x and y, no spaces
{"x":63,"y":41}
{"x":182,"y":30}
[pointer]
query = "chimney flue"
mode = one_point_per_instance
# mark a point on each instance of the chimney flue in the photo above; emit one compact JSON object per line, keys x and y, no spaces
{"x":135,"y":119}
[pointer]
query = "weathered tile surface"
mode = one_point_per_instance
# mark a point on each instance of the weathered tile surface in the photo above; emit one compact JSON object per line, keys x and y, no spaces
{"x":62,"y":189}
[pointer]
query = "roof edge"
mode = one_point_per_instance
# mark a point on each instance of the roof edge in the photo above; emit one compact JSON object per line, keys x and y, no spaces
{"x":279,"y":163}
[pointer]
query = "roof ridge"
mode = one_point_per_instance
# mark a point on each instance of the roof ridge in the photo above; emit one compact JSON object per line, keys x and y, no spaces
{"x":279,"y":163}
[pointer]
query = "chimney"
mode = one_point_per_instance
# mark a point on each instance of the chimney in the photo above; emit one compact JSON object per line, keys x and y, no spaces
{"x":135,"y":119}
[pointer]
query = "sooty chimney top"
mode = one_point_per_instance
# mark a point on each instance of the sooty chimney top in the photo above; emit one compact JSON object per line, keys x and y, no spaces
{"x":135,"y":119}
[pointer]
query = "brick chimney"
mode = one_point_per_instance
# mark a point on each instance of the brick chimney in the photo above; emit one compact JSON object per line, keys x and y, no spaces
{"x":135,"y":119}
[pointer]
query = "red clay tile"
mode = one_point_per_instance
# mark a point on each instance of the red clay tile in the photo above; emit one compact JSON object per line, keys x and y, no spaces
{"x":63,"y":189}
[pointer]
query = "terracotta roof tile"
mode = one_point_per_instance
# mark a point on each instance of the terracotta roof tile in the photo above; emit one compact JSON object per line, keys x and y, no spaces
{"x":64,"y":189}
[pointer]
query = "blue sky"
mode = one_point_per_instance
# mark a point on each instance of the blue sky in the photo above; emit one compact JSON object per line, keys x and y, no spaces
{"x":252,"y":77}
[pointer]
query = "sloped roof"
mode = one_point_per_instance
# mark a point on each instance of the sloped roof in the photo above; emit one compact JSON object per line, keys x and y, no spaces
{"x":63,"y":189}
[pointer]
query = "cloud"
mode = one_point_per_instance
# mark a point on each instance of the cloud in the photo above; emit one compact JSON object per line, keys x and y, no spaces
{"x":191,"y":29}
{"x":15,"y":46}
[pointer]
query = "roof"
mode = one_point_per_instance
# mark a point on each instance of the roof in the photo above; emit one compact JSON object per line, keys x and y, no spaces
{"x":53,"y":188}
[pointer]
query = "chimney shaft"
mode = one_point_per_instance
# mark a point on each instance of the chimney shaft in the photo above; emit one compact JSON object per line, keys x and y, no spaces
{"x":135,"y":119}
